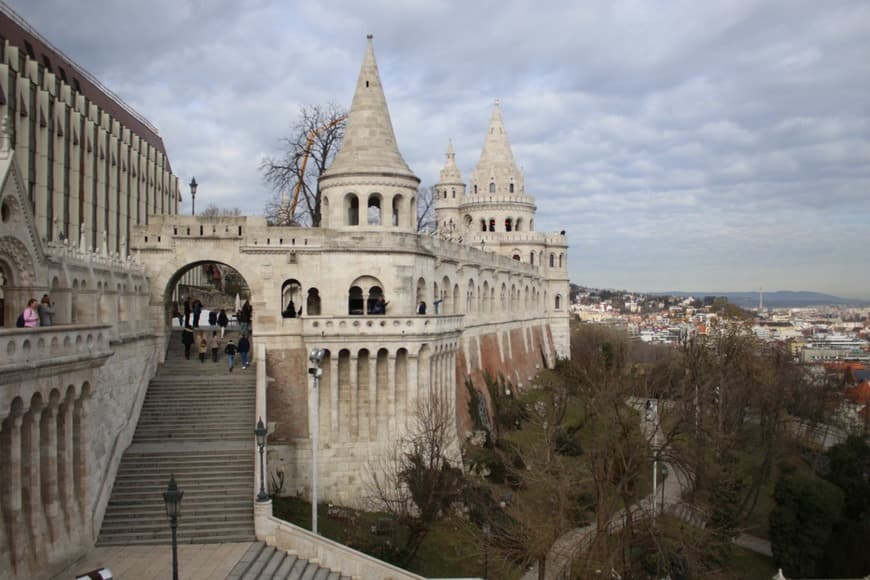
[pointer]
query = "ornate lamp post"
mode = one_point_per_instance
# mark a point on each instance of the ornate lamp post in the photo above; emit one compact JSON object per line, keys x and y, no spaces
{"x":172,"y":499}
{"x":261,"y":433}
{"x":193,"y":186}
{"x":486,"y":530}
{"x":316,"y":357}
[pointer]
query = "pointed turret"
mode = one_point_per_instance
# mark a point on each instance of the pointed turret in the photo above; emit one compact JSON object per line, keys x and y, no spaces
{"x":369,"y":144}
{"x":449,"y":193}
{"x":496,"y":171}
{"x":369,"y":184}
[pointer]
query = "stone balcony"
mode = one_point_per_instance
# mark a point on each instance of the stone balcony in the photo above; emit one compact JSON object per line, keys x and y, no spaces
{"x":381,"y":326}
{"x":25,"y":351}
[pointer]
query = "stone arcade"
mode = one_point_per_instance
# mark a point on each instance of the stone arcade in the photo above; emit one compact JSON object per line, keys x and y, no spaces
{"x":495,"y":289}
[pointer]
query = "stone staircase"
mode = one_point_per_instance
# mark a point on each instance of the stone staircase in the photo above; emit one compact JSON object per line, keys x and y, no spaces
{"x":197,"y":422}
{"x":265,"y":562}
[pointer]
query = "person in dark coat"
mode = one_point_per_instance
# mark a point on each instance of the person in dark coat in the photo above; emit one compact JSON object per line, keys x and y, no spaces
{"x":222,"y":321}
{"x":230,"y":351}
{"x":197,"y":312}
{"x":244,"y":348}
{"x":290,"y":311}
{"x":187,"y":340}
{"x":212,"y":317}
{"x":421,"y":308}
{"x":186,"y":311}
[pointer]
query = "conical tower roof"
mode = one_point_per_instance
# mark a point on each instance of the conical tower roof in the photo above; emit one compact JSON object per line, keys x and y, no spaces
{"x":450,"y":172}
{"x":369,"y":145}
{"x":496,"y":164}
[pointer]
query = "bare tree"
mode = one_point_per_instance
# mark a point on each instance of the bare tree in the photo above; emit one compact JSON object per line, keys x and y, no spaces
{"x":214,"y":211}
{"x":417,"y":480}
{"x":307,"y":153}
{"x":426,"y":210}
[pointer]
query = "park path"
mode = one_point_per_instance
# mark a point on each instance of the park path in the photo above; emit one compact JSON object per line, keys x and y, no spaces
{"x":668,"y":498}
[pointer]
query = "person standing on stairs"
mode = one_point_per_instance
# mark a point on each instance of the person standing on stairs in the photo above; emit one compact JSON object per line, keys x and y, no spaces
{"x":215,"y":345}
{"x":203,"y":347}
{"x":230,"y":351}
{"x":222,"y":321}
{"x":187,"y":340}
{"x":186,"y":311}
{"x":244,"y":348}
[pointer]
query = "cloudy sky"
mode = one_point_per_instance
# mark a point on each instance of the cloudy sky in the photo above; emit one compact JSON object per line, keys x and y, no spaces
{"x":715,"y":145}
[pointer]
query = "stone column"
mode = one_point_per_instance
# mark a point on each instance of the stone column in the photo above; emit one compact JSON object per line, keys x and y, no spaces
{"x":80,"y":459}
{"x":31,"y":485}
{"x":334,"y":391}
{"x":5,"y":555}
{"x":12,"y":500}
{"x":413,"y":388}
{"x":353,"y":423}
{"x":65,"y":471}
{"x":373,"y":395}
{"x":48,"y":469}
{"x":392,"y":389}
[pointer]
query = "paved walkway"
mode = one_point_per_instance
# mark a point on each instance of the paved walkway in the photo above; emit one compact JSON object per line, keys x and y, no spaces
{"x":195,"y":561}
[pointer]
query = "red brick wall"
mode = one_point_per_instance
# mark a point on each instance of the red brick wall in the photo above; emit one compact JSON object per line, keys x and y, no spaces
{"x":287,"y":394}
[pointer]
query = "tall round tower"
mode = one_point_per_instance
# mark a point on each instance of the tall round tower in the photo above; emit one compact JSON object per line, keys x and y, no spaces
{"x":369,"y":185}
{"x":496,"y":200}
{"x":449,"y":194}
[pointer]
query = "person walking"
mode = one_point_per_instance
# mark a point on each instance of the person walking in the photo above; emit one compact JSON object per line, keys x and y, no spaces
{"x":245,"y":315}
{"x":186,"y":311}
{"x":215,"y":345}
{"x":212,"y":317}
{"x":230,"y":351}
{"x":197,"y":312}
{"x":31,"y":314}
{"x":244,"y":348}
{"x":177,"y":314}
{"x":222,"y":321}
{"x":187,"y":340}
{"x":203,"y":347}
{"x":46,"y":311}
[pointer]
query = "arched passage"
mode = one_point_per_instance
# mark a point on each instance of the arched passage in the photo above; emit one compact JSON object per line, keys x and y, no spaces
{"x":216,"y":285}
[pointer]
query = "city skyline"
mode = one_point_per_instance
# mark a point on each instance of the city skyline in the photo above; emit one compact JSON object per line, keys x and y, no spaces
{"x":719,"y":146}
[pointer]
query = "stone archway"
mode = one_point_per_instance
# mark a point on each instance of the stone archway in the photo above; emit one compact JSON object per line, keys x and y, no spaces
{"x":195,"y":280}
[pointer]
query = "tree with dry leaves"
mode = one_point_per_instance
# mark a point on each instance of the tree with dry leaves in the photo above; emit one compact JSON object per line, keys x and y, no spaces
{"x":309,"y":150}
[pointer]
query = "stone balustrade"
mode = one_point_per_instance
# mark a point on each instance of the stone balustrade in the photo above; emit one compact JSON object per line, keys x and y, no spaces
{"x":30,"y":348}
{"x":380,"y":326}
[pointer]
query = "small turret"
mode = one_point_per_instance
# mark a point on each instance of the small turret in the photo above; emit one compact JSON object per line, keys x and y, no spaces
{"x":449,"y":194}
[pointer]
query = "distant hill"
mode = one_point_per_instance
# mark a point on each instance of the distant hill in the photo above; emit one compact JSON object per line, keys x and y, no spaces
{"x":778,"y":299}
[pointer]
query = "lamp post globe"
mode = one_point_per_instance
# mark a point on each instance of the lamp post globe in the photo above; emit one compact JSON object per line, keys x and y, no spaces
{"x":193,"y":185}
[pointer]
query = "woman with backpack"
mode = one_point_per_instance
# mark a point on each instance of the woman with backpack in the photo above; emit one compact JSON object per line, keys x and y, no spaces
{"x":30,"y":317}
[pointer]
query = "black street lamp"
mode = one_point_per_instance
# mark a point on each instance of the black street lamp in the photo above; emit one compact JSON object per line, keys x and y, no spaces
{"x":172,"y":499}
{"x":193,"y":186}
{"x":261,"y":433}
{"x":664,"y":477}
{"x":486,"y":530}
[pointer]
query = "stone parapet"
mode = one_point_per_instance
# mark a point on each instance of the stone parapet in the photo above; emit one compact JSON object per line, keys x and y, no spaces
{"x":355,"y":327}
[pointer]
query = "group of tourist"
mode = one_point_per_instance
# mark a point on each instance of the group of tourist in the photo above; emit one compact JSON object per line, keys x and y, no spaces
{"x":37,"y":313}
{"x":204,"y":344}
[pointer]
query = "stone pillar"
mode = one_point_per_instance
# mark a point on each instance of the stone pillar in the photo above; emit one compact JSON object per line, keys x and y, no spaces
{"x":333,"y":391}
{"x":373,"y":396}
{"x":413,"y":388}
{"x":48,"y":469}
{"x":392,"y":389}
{"x":80,"y":460}
{"x":353,"y":430}
{"x":12,"y":501}
{"x":62,"y":298}
{"x":65,"y":472}
{"x":31,"y":483}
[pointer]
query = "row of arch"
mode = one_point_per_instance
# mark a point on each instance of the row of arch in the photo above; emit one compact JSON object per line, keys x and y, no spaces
{"x":366,"y":392}
{"x":555,"y":259}
{"x":44,"y":454}
{"x":375,"y":207}
{"x":510,"y":224}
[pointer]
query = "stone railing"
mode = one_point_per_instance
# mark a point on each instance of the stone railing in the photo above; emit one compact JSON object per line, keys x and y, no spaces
{"x":376,"y":325}
{"x":26,"y":348}
{"x":286,"y":536}
{"x":74,"y":254}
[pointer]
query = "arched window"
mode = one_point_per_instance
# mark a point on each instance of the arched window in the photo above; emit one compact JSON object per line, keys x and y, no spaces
{"x":552,"y":260}
{"x":291,"y":298}
{"x":518,"y":224}
{"x":351,"y":204}
{"x":468,"y":221}
{"x":324,"y":212}
{"x":491,"y":225}
{"x":482,"y":225}
{"x":491,"y":187}
{"x":558,"y":302}
{"x":561,"y":256}
{"x":475,"y":188}
{"x":532,"y":258}
{"x":312,"y":305}
{"x":508,"y":225}
{"x":373,"y":210}
{"x":453,"y":191}
{"x":511,"y":188}
{"x":375,"y":304}
{"x":355,"y":304}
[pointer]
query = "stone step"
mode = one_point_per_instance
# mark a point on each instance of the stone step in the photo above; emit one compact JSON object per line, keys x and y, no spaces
{"x":266,"y":562}
{"x":229,"y":534}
